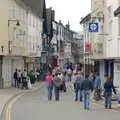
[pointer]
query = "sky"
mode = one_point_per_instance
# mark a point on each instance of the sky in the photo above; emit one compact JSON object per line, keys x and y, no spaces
{"x":70,"y":10}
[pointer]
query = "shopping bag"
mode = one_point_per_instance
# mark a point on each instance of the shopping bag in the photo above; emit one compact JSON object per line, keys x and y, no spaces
{"x":118,"y":98}
{"x":29,"y":84}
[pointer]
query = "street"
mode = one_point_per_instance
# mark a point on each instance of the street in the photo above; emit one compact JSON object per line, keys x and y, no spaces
{"x":34,"y":106}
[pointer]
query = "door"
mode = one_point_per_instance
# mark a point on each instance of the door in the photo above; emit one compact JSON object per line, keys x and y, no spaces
{"x":117,"y":74}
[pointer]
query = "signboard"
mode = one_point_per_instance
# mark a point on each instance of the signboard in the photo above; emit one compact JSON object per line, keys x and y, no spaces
{"x":88,"y":47}
{"x":93,"y":27}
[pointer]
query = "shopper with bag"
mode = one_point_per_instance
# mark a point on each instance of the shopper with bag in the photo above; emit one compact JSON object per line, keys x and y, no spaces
{"x":57,"y":84}
{"x":108,"y":87}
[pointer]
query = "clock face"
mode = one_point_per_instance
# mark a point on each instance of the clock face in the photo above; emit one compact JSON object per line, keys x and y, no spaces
{"x":93,"y":26}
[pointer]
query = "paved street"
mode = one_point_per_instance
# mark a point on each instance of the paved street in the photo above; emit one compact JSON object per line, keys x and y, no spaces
{"x":34,"y":106}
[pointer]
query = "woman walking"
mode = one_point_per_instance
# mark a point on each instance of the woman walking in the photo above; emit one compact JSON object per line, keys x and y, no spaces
{"x":57,"y":84}
{"x":108,"y":86}
{"x":49,"y":81}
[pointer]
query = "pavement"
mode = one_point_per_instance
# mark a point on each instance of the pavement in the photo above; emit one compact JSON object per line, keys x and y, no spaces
{"x":8,"y":93}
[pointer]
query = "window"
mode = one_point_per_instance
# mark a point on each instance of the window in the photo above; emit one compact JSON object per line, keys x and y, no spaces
{"x":109,"y":11}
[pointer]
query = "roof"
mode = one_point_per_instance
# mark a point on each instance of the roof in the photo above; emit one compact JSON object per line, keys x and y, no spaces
{"x":86,"y":18}
{"x":117,"y":11}
{"x":36,"y":5}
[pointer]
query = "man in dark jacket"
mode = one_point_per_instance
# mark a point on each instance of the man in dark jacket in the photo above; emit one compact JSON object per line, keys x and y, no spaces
{"x":16,"y":78}
{"x":86,"y":88}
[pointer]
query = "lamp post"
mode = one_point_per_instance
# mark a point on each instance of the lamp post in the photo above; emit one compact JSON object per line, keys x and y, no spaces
{"x":9,"y":41}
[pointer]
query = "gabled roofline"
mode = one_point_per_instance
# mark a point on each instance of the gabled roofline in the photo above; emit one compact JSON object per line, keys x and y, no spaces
{"x":117,"y":11}
{"x":86,"y":18}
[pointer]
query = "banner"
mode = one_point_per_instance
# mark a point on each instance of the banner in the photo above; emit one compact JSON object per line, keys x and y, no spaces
{"x":88,"y":47}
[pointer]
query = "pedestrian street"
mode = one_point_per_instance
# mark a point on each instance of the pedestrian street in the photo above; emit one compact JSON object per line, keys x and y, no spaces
{"x":35,"y":106}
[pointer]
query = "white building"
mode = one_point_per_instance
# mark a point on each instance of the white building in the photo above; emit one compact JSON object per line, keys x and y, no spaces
{"x":112,"y":38}
{"x":21,"y":29}
{"x":34,"y":37}
{"x":106,"y":41}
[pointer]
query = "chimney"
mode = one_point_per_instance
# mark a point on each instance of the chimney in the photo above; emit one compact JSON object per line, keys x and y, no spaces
{"x":68,"y":25}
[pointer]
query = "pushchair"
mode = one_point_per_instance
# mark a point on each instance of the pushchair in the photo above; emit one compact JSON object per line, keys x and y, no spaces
{"x":97,"y":94}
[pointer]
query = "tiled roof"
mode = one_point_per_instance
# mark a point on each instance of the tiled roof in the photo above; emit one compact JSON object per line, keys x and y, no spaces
{"x":36,"y":5}
{"x":86,"y":18}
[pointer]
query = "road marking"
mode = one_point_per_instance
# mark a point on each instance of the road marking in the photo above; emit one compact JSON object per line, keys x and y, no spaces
{"x":8,"y":111}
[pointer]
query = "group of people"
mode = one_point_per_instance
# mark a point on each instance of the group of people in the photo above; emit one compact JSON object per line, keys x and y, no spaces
{"x":83,"y":85}
{"x":55,"y":81}
{"x":24,"y":79}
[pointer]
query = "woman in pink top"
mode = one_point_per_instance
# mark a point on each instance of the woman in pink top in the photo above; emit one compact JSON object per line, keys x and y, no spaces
{"x":49,"y":81}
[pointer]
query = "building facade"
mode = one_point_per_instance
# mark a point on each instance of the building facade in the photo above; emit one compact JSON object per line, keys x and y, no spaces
{"x":77,"y":47}
{"x":16,"y":42}
{"x":112,"y":28}
{"x":106,"y":40}
{"x":88,"y":45}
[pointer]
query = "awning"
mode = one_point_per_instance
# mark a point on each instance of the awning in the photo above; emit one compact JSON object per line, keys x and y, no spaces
{"x":117,"y":11}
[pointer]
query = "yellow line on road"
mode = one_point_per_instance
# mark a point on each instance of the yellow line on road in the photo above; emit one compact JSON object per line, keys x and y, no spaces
{"x":8,"y":111}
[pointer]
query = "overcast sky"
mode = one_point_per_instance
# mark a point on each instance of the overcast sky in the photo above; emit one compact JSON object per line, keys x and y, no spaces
{"x":71,"y":10}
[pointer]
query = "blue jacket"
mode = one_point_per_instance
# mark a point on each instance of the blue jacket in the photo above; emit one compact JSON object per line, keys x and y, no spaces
{"x":97,"y":83}
{"x":108,"y":86}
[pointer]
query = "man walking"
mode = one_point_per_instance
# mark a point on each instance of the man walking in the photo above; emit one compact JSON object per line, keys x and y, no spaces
{"x":86,"y":88}
{"x":19,"y":77}
{"x":78,"y":82}
{"x":24,"y":79}
{"x":16,"y":78}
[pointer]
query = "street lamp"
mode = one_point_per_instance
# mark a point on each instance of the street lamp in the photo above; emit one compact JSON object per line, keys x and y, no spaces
{"x":9,"y":41}
{"x":17,"y":24}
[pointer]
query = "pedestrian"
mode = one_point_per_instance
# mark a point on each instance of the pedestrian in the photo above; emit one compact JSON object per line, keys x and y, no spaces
{"x":86,"y":88}
{"x":24,"y":79}
{"x":19,"y":78}
{"x":16,"y":77}
{"x":108,"y":87}
{"x":78,"y":82}
{"x":57,"y":84}
{"x":97,"y":87}
{"x":69,"y":74}
{"x":74,"y":76}
{"x":49,"y":81}
{"x":92,"y":78}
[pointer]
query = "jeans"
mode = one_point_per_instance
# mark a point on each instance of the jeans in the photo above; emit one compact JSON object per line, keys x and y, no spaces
{"x":57,"y":93}
{"x":69,"y":77}
{"x":86,"y":97}
{"x":50,"y":88}
{"x":16,"y":83}
{"x":78,"y":91}
{"x":108,"y":97}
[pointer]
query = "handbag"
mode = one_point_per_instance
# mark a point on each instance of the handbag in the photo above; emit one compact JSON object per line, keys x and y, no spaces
{"x":118,"y":98}
{"x":29,"y":84}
